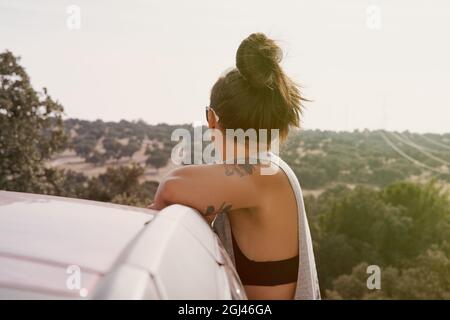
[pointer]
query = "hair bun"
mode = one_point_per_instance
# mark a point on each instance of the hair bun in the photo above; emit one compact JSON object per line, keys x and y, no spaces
{"x":257,"y":60}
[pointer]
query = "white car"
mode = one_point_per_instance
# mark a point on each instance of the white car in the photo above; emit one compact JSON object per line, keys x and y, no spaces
{"x":60,"y":248}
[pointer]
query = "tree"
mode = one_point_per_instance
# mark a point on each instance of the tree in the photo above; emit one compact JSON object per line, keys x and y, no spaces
{"x":427,"y":206}
{"x":385,"y":176}
{"x":402,"y":228}
{"x":426,"y":277}
{"x":31,"y":130}
{"x":310,"y":177}
{"x":121,"y":185}
{"x":134,"y":144}
{"x":141,"y":197}
{"x":157,"y":158}
{"x":115,"y":181}
{"x":67,"y":183}
{"x":112,"y":147}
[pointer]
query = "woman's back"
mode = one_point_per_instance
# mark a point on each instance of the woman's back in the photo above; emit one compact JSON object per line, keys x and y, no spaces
{"x":282,"y":232}
{"x":268,"y":233}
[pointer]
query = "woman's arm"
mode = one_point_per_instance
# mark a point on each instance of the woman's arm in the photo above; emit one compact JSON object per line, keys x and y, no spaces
{"x":211,"y":189}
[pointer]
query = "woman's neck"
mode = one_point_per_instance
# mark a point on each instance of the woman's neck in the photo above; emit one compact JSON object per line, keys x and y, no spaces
{"x":240,"y":151}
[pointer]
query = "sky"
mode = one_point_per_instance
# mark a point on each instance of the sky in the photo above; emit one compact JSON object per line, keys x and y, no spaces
{"x":376,"y":64}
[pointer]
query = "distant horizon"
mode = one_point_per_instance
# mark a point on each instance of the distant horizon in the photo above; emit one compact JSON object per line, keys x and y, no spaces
{"x":300,"y":128}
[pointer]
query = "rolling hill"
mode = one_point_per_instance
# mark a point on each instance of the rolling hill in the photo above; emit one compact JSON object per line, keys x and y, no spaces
{"x":319,"y":158}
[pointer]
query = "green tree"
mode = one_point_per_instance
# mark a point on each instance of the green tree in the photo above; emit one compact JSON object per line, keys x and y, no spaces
{"x":31,"y":130}
{"x":384,"y":176}
{"x":426,"y":277}
{"x":121,"y":185}
{"x":402,"y":228}
{"x":427,"y":207}
{"x":157,"y":158}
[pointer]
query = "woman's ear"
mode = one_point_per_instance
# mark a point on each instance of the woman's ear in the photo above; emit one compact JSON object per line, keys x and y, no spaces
{"x":212,"y":122}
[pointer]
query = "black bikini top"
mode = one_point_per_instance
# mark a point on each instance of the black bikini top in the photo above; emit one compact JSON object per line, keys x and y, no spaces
{"x":264,"y":273}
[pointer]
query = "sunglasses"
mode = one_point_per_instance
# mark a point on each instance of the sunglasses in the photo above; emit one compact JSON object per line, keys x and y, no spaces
{"x":207,"y":114}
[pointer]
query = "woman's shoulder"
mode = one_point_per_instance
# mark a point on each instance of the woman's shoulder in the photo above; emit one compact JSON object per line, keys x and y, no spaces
{"x":257,"y":176}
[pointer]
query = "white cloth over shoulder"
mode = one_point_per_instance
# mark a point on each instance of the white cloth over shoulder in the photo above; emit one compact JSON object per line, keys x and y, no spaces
{"x":307,"y":281}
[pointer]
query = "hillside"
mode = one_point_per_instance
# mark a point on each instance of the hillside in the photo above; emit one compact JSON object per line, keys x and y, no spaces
{"x":320,"y":158}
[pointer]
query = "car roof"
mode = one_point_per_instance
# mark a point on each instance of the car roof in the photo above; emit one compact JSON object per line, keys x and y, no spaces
{"x":59,"y":232}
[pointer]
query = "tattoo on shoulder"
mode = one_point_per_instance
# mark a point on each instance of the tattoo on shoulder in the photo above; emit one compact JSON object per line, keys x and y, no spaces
{"x":211,"y":210}
{"x":240,"y":169}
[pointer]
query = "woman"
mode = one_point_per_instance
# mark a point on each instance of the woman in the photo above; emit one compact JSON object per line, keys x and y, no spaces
{"x":264,"y":212}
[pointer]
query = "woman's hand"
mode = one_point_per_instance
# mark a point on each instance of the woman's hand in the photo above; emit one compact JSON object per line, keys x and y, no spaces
{"x":154,"y":206}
